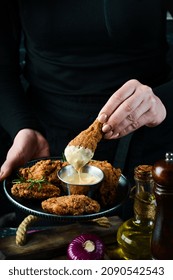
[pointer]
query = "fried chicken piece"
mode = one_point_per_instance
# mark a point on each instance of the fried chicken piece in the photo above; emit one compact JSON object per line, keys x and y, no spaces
{"x":46,"y":169}
{"x":71,"y":205}
{"x":35,"y":191}
{"x":81,"y":149}
{"x":108,"y":189}
{"x":90,"y":137}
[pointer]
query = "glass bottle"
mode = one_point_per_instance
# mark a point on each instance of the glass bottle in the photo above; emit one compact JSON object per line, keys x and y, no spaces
{"x":134,"y":235}
{"x":162,"y":238}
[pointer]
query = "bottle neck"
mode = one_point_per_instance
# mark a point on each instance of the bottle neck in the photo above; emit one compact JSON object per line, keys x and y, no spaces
{"x":144,"y":207}
{"x":144,"y":199}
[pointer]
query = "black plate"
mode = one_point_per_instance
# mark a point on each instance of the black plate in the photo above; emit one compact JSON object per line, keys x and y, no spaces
{"x":34,"y":207}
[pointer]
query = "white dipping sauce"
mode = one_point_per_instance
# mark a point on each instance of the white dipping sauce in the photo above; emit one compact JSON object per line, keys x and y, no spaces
{"x":81,"y":178}
{"x":78,"y":156}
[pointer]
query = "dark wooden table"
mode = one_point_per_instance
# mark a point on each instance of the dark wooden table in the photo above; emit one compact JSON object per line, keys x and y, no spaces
{"x":51,"y":243}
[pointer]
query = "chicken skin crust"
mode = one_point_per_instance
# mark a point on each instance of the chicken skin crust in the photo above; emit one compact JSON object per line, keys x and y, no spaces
{"x":90,"y":137}
{"x":70,"y":205}
{"x":25,"y":190}
{"x":108,"y":189}
{"x":46,"y":169}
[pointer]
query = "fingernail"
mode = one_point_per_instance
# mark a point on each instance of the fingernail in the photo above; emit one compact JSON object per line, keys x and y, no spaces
{"x":106,"y":128}
{"x":111,"y":133}
{"x":102,"y":118}
{"x":117,"y":135}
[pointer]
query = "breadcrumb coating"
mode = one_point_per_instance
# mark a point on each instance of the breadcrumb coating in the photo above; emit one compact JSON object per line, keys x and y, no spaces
{"x":35,"y":191}
{"x":90,"y":137}
{"x":108,"y":189}
{"x":71,"y":205}
{"x":46,"y":169}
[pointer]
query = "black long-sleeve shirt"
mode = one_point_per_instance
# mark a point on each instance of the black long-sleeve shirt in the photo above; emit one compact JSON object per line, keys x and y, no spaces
{"x":77,"y":49}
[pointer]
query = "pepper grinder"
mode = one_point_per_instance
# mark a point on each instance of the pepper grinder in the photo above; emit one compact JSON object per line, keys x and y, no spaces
{"x":162,"y":236}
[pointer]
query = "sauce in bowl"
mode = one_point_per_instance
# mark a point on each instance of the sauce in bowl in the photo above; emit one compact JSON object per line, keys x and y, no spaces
{"x":80,"y":178}
{"x":86,"y":181}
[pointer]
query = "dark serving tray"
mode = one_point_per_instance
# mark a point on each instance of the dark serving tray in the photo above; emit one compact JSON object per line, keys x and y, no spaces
{"x":33,"y":207}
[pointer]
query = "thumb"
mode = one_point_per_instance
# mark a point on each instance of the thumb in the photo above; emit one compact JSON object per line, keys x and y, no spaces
{"x":6,"y":169}
{"x":13,"y":160}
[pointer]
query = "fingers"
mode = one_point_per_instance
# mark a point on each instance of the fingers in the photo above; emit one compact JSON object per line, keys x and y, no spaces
{"x":117,"y":99}
{"x":27,"y":145}
{"x":6,"y":170}
{"x":129,"y":108}
{"x":15,"y":158}
{"x":158,"y":112}
{"x":102,"y":117}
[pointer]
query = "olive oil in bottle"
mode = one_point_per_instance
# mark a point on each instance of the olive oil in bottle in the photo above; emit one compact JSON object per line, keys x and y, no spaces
{"x":134,"y":235}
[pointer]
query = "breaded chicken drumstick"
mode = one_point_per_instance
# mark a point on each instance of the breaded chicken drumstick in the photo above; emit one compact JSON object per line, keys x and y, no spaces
{"x":81,"y":149}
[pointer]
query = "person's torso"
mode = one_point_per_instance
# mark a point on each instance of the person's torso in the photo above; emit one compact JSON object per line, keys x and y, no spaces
{"x":93,"y":46}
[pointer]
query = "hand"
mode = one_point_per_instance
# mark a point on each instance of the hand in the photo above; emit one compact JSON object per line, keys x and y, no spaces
{"x":28,"y":144}
{"x":129,"y":108}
